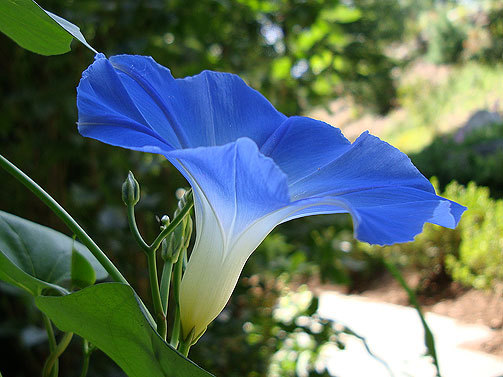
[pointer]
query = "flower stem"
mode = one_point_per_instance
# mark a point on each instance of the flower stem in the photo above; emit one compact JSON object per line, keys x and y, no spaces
{"x":171,"y":227}
{"x":175,"y":334}
{"x":52,"y":342}
{"x":50,"y":332}
{"x":65,"y":217}
{"x":160,"y":318}
{"x":429,"y":340}
{"x":165,"y":283}
{"x":184,"y":348}
{"x":134,"y":229}
{"x":186,"y":343}
{"x":53,"y":357}
{"x":177,"y":279}
{"x":85,"y":365}
{"x":160,"y":302}
{"x":87,"y":355}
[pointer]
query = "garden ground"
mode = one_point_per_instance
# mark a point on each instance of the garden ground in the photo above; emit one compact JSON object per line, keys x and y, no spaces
{"x":467,"y":325}
{"x":468,"y":306}
{"x":394,"y":334}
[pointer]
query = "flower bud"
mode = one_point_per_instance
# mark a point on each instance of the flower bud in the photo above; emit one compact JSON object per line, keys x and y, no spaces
{"x":174,"y":243}
{"x":130,"y":190}
{"x":165,"y":220}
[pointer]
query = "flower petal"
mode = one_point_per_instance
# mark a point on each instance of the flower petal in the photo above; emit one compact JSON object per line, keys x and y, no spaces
{"x":388,"y":198}
{"x":208,"y":109}
{"x":239,"y":183}
{"x":107,"y":112}
{"x":224,"y":109}
{"x":369,"y":163}
{"x":386,"y":215}
{"x":389,"y":215}
{"x":234,"y":187}
{"x":301,"y":146}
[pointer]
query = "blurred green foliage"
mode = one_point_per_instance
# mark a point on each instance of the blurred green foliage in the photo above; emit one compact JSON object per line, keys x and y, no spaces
{"x":478,"y":157}
{"x":484,"y":39}
{"x":480,"y":256}
{"x":441,"y":101}
{"x":248,"y":337}
{"x":445,"y":39}
{"x":319,"y":247}
{"x":470,"y":254}
{"x":268,"y":329}
{"x":494,"y":52}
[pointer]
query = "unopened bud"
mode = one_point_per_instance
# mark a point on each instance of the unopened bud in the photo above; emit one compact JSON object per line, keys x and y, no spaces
{"x":165,"y":220}
{"x":180,"y":192}
{"x":130,"y":190}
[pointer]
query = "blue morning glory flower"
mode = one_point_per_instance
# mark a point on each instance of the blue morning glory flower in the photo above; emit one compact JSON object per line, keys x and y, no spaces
{"x":251,"y":168}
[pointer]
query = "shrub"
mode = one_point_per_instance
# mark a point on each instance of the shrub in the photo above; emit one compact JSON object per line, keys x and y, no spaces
{"x":494,"y":52}
{"x":479,"y":261}
{"x":471,"y":254}
{"x":269,"y":330}
{"x":478,"y":158}
{"x":445,"y":41}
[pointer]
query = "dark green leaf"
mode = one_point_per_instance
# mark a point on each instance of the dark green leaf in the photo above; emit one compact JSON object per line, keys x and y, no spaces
{"x":34,"y":257}
{"x":109,"y":316}
{"x":83,"y":274}
{"x":36,"y":30}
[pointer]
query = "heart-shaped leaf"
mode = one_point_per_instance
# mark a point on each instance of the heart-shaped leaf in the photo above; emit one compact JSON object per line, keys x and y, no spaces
{"x":83,"y":274}
{"x":34,"y":257}
{"x":37,"y":30}
{"x":109,"y":316}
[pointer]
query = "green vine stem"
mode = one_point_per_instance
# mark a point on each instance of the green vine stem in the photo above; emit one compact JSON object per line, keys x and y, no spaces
{"x":165,"y":283}
{"x":177,"y":279}
{"x":85,"y":365}
{"x":159,"y":294}
{"x":53,"y":357}
{"x":185,"y":344}
{"x":164,"y":233}
{"x":160,"y":318}
{"x":172,"y":225}
{"x":134,"y":229}
{"x":52,"y":342}
{"x":65,"y":217}
{"x":175,"y":333}
{"x":429,"y":340}
{"x":87,"y":355}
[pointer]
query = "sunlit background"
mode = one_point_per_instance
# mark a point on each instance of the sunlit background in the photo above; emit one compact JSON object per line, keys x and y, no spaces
{"x":424,"y":75}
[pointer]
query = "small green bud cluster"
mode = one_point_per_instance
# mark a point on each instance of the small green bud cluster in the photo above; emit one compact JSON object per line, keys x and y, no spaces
{"x":179,"y":239}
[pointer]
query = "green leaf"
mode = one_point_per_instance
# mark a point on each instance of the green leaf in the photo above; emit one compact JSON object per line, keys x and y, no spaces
{"x":342,"y":14}
{"x":74,"y":30}
{"x":83,"y":274}
{"x":34,"y":257}
{"x":109,"y":315}
{"x":281,"y":68}
{"x":429,"y":340}
{"x":37,"y":30}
